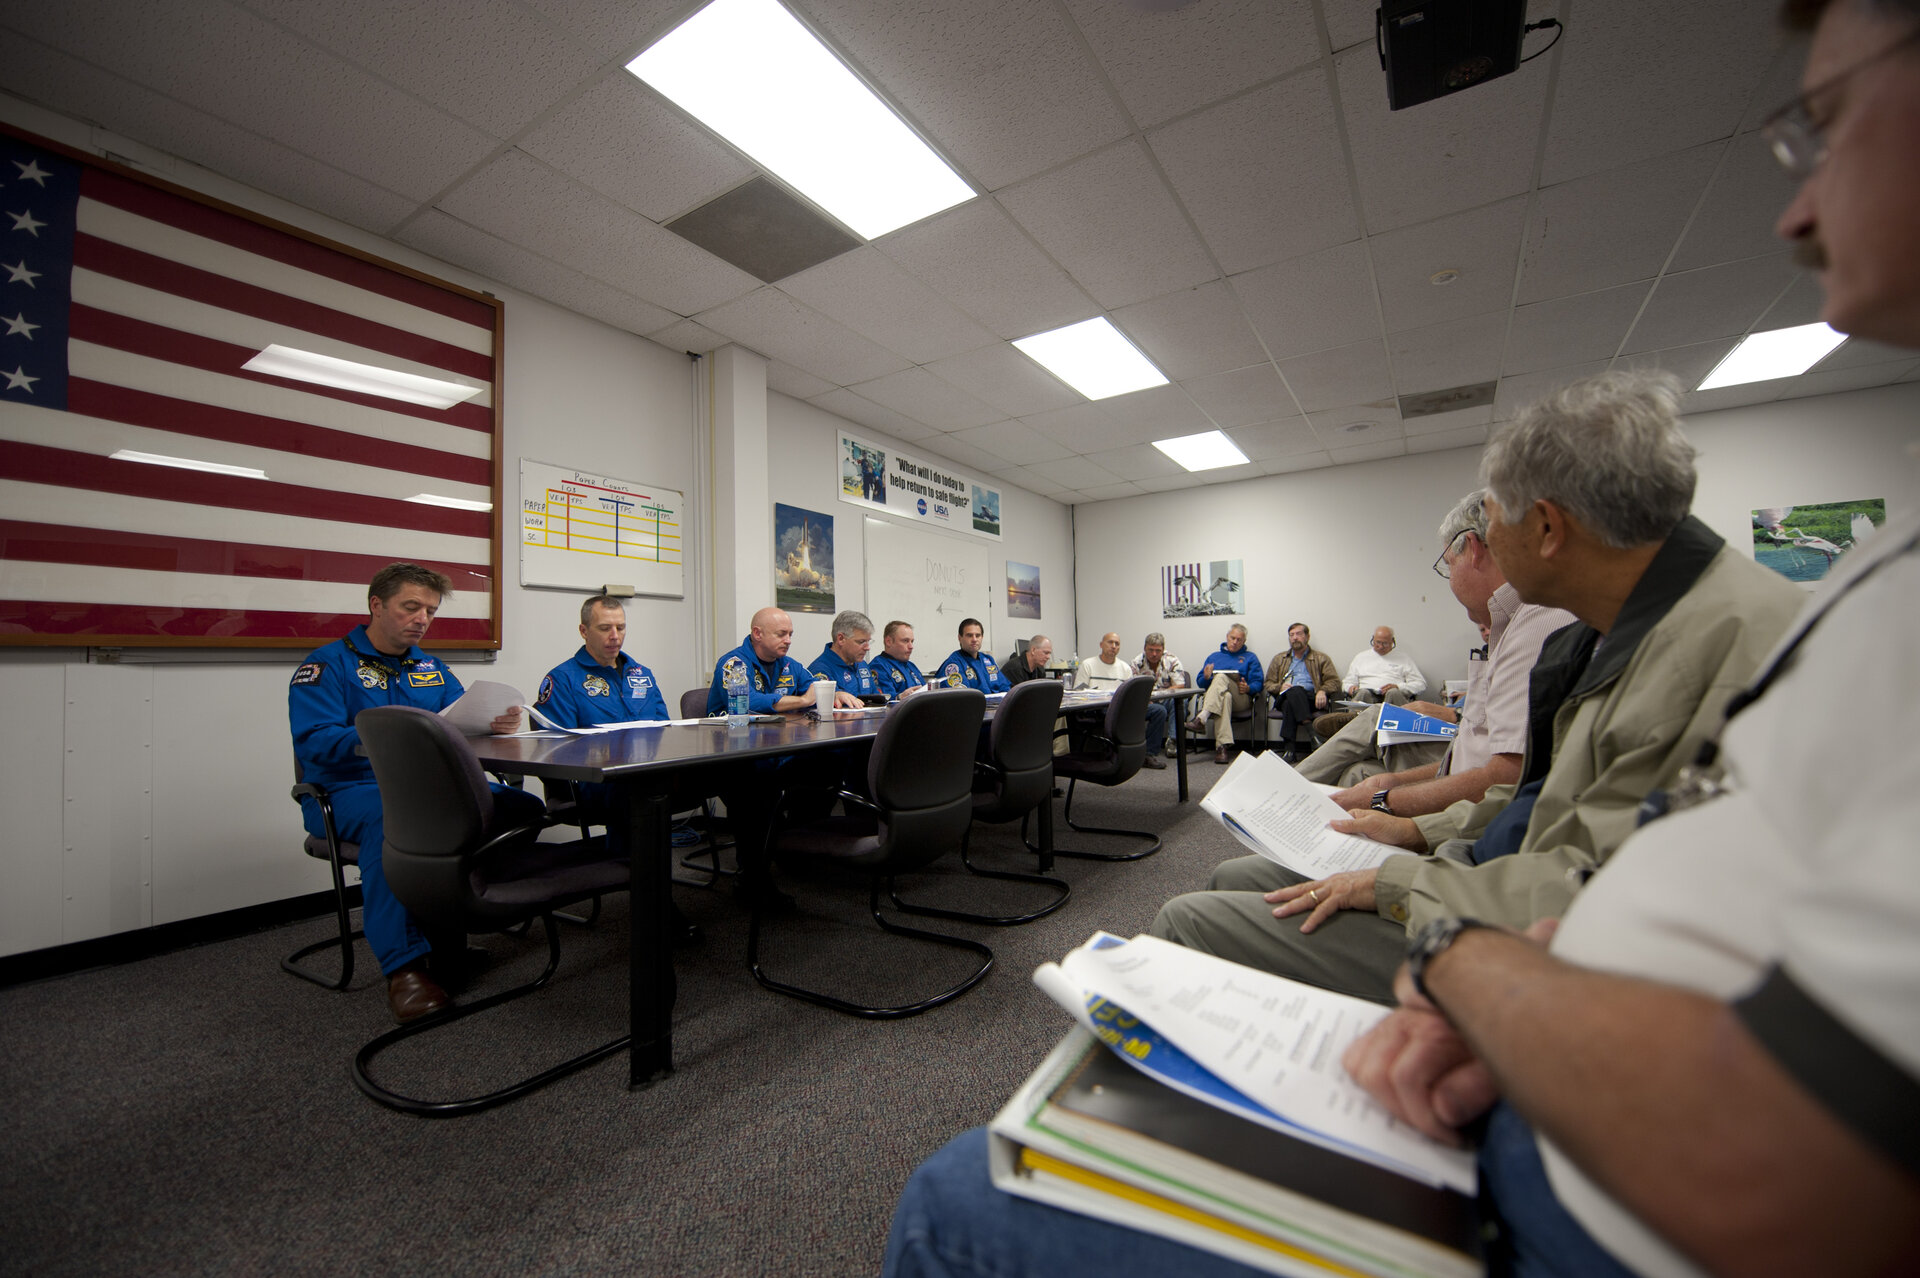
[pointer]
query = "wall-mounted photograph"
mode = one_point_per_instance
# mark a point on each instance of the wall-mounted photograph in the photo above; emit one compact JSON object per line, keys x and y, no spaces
{"x":1802,"y":543}
{"x":802,"y":559}
{"x":986,"y":511}
{"x":1023,"y":590}
{"x":1203,"y":590}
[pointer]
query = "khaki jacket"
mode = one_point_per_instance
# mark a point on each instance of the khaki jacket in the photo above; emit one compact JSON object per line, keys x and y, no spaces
{"x":1608,"y":727}
{"x":1319,"y":666}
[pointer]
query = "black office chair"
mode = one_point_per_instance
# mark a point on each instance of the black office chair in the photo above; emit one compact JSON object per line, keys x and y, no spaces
{"x":920,"y":775}
{"x":458,"y":870}
{"x":338,"y":854}
{"x":1015,"y":779}
{"x":1111,"y":757}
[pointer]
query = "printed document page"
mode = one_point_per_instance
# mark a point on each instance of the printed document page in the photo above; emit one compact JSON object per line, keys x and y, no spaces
{"x":480,"y":705}
{"x":1283,"y":816}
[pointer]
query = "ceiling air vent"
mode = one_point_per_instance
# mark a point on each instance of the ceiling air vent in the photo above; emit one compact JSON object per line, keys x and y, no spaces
{"x":765,"y":230}
{"x":1454,"y":398}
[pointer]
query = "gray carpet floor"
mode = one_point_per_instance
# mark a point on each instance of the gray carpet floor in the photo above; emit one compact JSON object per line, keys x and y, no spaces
{"x":194,"y":1112}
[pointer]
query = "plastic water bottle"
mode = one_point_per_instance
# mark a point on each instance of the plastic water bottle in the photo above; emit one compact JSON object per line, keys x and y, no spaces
{"x":736,"y":683}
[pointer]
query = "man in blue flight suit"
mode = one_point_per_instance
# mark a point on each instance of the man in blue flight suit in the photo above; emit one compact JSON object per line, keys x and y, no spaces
{"x":968,"y":667}
{"x":601,"y":684}
{"x":380,"y":664}
{"x":844,"y":660}
{"x":894,"y":667}
{"x":776,"y":683}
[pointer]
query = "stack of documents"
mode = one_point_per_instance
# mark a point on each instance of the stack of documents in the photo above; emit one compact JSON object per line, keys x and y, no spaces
{"x":1218,"y":1114}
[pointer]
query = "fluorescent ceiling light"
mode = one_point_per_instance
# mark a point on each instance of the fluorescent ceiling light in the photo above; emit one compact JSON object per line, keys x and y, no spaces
{"x":1785,"y":352}
{"x":452,"y":503}
{"x":750,"y":72}
{"x":1093,"y":358}
{"x":1208,"y":450}
{"x":188,"y":463}
{"x":368,"y":379}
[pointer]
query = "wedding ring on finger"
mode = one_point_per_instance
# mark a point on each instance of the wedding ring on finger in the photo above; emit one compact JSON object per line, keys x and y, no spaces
{"x":1313,"y":894}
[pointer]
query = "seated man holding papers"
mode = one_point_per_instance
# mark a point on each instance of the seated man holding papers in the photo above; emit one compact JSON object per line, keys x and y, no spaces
{"x":601,"y":684}
{"x":1686,"y":620}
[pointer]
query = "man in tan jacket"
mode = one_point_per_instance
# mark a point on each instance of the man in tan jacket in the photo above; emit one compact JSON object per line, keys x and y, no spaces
{"x":1685,"y":619}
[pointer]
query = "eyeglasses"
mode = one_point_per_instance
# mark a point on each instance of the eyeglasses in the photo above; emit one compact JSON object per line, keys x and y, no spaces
{"x":1799,"y":142}
{"x":1440,"y":565}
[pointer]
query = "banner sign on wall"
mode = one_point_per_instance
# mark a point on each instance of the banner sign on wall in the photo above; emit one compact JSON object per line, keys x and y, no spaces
{"x":916,"y":489}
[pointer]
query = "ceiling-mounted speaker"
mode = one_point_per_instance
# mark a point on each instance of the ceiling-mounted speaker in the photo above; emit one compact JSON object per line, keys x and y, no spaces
{"x":1430,"y":48}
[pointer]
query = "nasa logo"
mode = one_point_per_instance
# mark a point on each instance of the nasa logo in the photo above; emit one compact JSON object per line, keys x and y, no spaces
{"x":923,"y":505}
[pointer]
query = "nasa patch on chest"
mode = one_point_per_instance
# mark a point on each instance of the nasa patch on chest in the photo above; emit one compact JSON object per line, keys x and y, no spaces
{"x":595,"y":686}
{"x":372,"y":676}
{"x":637,"y":685}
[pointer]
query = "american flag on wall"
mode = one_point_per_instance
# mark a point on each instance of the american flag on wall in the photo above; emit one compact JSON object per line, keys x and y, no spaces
{"x":127,"y":313}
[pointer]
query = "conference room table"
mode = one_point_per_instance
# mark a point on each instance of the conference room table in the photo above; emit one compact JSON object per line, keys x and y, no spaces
{"x":640,"y":765}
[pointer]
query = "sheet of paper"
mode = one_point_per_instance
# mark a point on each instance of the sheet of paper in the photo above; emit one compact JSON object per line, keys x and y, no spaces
{"x":1277,"y":1042}
{"x":480,"y":705}
{"x":549,"y":724}
{"x":1283,"y":816}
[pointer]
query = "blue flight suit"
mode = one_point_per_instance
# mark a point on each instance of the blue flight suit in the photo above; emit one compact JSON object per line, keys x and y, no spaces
{"x":856,"y":677}
{"x":582,"y":693}
{"x":332,"y":685}
{"x":961,"y":671}
{"x":767,"y":681}
{"x":1243,"y":663}
{"x":895,"y":676}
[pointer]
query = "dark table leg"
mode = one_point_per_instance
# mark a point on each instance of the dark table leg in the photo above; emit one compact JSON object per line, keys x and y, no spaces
{"x":649,"y":847}
{"x":1179,"y":705}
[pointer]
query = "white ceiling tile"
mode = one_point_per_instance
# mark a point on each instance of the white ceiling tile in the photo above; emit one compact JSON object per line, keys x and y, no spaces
{"x":789,"y":380}
{"x":1639,"y":78}
{"x":1800,"y":304}
{"x":1359,"y":424}
{"x":1018,"y":442}
{"x":1156,"y":413}
{"x":1857,"y":352}
{"x":925,"y":398}
{"x":1083,"y":428}
{"x":1439,"y":441}
{"x":1136,"y":462}
{"x":496,"y":66}
{"x":1442,"y":356}
{"x":1295,"y":463}
{"x":1265,"y":441}
{"x":1515,"y":393}
{"x":523,"y":201}
{"x":1443,"y":156}
{"x":963,"y":454}
{"x":1350,"y":22}
{"x":597,"y":139}
{"x":875,"y":298}
{"x":1562,"y":330}
{"x":1833,"y":381}
{"x":1075,"y":472}
{"x":977,"y":76}
{"x":1442,"y":423}
{"x":1021,"y":477}
{"x":1714,"y":301}
{"x":1007,"y":379}
{"x":1243,"y":396}
{"x":1192,"y":332}
{"x":1175,"y":482}
{"x":1165,"y":59}
{"x":1368,"y":452}
{"x":864,"y":412}
{"x":1482,"y":244}
{"x":1736,"y":219}
{"x":1611,"y":228}
{"x":1108,"y":219}
{"x":977,"y":258}
{"x":436,"y":233}
{"x":616,"y":29}
{"x":246,"y":71}
{"x":1263,"y":175}
{"x":1722,"y":397}
{"x":780,"y":328}
{"x":1690,"y":364}
{"x":35,"y":71}
{"x":1355,"y":374}
{"x":1311,"y":303}
{"x":686,"y":335}
{"x":1110,"y":492}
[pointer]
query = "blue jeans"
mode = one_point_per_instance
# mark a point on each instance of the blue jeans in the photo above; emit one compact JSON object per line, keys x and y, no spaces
{"x":395,"y":939}
{"x":953,"y":1223}
{"x":1156,"y":726}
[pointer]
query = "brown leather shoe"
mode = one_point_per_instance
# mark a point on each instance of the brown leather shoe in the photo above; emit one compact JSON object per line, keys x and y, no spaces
{"x":412,"y":994}
{"x":1221,"y":754}
{"x":1153,"y":761}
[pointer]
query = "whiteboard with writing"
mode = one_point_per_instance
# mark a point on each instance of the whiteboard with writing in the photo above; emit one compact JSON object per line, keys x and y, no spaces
{"x":929,"y":580}
{"x":580,"y":531}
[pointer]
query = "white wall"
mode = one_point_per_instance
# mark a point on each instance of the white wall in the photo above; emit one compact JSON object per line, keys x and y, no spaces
{"x":1035,"y":530}
{"x":1350,"y":548}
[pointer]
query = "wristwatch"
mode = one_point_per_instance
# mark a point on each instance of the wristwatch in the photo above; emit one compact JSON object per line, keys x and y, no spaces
{"x":1429,"y":943}
{"x":1379,"y":803}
